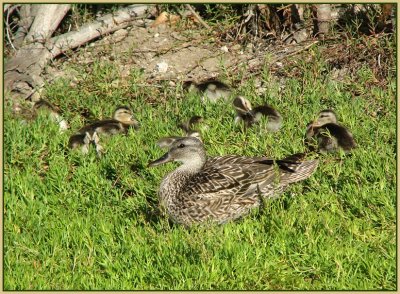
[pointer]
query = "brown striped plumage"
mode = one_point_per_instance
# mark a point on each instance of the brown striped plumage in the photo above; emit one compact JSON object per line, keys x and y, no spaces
{"x":222,"y":188}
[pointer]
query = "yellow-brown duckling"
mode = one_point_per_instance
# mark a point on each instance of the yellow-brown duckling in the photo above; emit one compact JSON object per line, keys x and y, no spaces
{"x":54,"y":113}
{"x":250,"y":116}
{"x":121,"y":122}
{"x":187,"y":127}
{"x":328,"y":135}
{"x":212,"y":90}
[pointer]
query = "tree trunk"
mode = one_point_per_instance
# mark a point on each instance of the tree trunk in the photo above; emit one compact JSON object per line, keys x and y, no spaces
{"x":322,"y":18}
{"x":22,"y":76}
{"x":46,"y":21}
{"x":27,"y":15}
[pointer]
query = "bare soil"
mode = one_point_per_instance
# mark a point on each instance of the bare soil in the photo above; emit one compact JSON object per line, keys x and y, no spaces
{"x":166,"y":53}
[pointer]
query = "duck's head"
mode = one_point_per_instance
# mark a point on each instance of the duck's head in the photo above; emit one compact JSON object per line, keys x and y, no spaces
{"x":325,"y":117}
{"x":125,"y":115}
{"x":242,"y":105}
{"x":187,"y":150}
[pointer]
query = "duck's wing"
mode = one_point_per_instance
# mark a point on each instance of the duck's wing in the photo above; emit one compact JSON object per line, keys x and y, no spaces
{"x":232,"y":160}
{"x":229,"y":175}
{"x":287,"y":164}
{"x":247,"y":176}
{"x":226,"y":192}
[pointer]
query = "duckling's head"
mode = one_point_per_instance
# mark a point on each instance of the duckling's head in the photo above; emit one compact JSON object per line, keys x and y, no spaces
{"x":242,"y":105}
{"x":44,"y":104}
{"x":188,"y":125}
{"x":190,"y":86}
{"x":187,"y":150}
{"x":310,"y":130}
{"x":195,"y":134}
{"x":125,"y":115}
{"x":212,"y":87}
{"x":325,"y":117}
{"x":194,"y":120}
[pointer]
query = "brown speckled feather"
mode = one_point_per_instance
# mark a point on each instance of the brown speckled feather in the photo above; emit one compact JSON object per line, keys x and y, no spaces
{"x":223,"y":188}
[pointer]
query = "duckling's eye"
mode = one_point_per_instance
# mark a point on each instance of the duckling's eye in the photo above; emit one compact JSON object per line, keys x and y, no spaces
{"x":181,"y":145}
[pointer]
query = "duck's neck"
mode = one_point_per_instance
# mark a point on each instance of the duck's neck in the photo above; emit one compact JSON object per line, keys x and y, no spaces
{"x":176,"y":180}
{"x":192,"y":166}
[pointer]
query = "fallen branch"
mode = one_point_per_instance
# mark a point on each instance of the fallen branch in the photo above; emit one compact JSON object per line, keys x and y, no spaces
{"x":102,"y":26}
{"x":46,"y":22}
{"x":188,"y":6}
{"x":295,"y":52}
{"x":23,"y":72}
{"x":8,"y":30}
{"x":6,"y":6}
{"x":27,"y":15}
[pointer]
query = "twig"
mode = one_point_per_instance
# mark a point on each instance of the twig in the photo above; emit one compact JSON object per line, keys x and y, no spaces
{"x":284,"y":7}
{"x":296,"y":52}
{"x":8,"y":31}
{"x":188,"y":6}
{"x":11,"y":8}
{"x":149,"y":85}
{"x":6,"y":6}
{"x":249,"y":13}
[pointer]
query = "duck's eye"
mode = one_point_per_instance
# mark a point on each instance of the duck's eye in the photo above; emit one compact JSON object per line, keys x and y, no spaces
{"x":181,"y":145}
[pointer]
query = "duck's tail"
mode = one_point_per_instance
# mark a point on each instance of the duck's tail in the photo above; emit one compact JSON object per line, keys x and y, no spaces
{"x":296,"y":169}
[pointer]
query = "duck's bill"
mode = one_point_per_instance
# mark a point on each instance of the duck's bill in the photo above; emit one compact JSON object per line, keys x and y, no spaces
{"x":163,"y":159}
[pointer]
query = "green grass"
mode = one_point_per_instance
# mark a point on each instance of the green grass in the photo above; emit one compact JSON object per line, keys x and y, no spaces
{"x":76,"y":222}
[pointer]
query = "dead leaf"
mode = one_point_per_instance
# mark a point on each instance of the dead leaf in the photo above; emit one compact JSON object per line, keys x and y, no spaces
{"x":165,"y":17}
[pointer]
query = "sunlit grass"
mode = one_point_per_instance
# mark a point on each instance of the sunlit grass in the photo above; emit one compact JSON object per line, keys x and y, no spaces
{"x":77,"y":222}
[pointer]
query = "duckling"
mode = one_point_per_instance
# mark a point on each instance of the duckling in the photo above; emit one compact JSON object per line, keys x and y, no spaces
{"x":186,"y":126}
{"x":44,"y":105}
{"x":212,"y":90}
{"x":91,"y":138}
{"x":120,"y":124}
{"x":223,"y":188}
{"x":250,"y":116}
{"x":328,"y":134}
